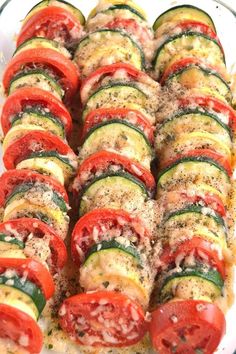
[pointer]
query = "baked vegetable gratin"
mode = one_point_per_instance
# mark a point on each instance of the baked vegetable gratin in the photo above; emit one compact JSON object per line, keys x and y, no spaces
{"x":127,"y":246}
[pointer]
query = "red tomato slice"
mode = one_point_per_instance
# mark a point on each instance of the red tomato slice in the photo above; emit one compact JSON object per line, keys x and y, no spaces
{"x":18,"y":326}
{"x":18,"y":100}
{"x":182,"y":327}
{"x":218,"y":158}
{"x":133,"y":116}
{"x":184,"y":63}
{"x":197,"y":247}
{"x":54,"y":23}
{"x":62,"y":66}
{"x":35,"y":271}
{"x":140,"y":33}
{"x":105,"y":318}
{"x":210,"y":103}
{"x":209,"y":199}
{"x":93,"y":81}
{"x":35,"y":141}
{"x":196,"y":26}
{"x":91,"y":227}
{"x":10,"y":179}
{"x":103,"y":159}
{"x":24,"y":227}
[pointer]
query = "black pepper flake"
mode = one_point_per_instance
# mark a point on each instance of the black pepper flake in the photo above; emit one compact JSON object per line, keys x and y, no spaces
{"x":105,"y":284}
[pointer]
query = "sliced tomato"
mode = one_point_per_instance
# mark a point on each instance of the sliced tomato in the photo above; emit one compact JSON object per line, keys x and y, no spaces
{"x":35,"y":141}
{"x":91,"y":227}
{"x":103,"y":159}
{"x":140,"y":33}
{"x":218,"y":158}
{"x":209,"y":199}
{"x":105,"y":318}
{"x":17,"y":325}
{"x":52,"y":22}
{"x":186,"y":327}
{"x":184,"y":63}
{"x":33,"y":271}
{"x":11,"y":179}
{"x":192,"y":25}
{"x":21,"y":98}
{"x":212,"y":104}
{"x":197,"y":247}
{"x":94,"y":80}
{"x":24,"y":227}
{"x":133,"y":116}
{"x":62,"y":66}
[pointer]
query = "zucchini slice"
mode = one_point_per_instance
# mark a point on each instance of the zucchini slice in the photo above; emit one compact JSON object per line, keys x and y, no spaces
{"x":64,"y":164}
{"x":196,"y":76}
{"x":117,"y":95}
{"x":115,"y":269}
{"x":21,"y":189}
{"x":40,"y":118}
{"x":41,"y":42}
{"x":23,"y":291}
{"x":184,"y":12}
{"x":188,"y":44}
{"x":36,"y":78}
{"x":195,"y":283}
{"x":194,"y":217}
{"x":11,"y":247}
{"x":114,"y":190}
{"x":120,"y":5}
{"x":58,"y":3}
{"x":187,"y":169}
{"x":103,"y":46}
{"x":189,"y":121}
{"x":113,"y":245}
{"x":121,"y":136}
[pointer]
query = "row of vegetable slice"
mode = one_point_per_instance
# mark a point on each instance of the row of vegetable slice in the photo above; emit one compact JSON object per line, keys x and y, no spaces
{"x":40,"y":81}
{"x":193,"y":185}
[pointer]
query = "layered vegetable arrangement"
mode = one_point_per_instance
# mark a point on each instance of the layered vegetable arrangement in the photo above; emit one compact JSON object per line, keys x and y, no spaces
{"x":110,"y":244}
{"x":38,"y":81}
{"x":194,"y":147}
{"x":171,"y":280}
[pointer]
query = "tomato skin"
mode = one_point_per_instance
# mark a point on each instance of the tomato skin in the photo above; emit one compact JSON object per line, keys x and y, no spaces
{"x":97,"y":218}
{"x":102,"y":160}
{"x":45,"y":56}
{"x":184,"y":63}
{"x":188,"y":25}
{"x":101,"y":114}
{"x":210,"y":103}
{"x":117,"y":306}
{"x":34,"y":141}
{"x":37,"y":273}
{"x":92,"y":81}
{"x":45,"y":19}
{"x":184,"y":326}
{"x":132,"y":27}
{"x":27,"y":226}
{"x":12,"y":178}
{"x":210,"y":200}
{"x":15,"y":103}
{"x":14,"y":323}
{"x":195,"y":245}
{"x":220,"y":159}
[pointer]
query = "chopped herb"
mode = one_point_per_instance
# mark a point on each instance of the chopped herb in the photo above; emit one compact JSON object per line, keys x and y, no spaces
{"x":105,"y":284}
{"x":50,"y":332}
{"x":199,"y":351}
{"x":81,"y":334}
{"x":50,"y":346}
